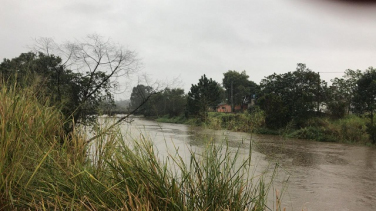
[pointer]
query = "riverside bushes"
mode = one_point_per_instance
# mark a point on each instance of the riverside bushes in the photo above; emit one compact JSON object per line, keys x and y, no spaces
{"x":244,"y":122}
{"x":41,"y":168}
{"x":351,"y":129}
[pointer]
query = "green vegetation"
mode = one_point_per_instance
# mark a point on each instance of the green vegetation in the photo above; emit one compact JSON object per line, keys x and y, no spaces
{"x":80,"y":80}
{"x":239,"y":90}
{"x":242,"y":122}
{"x":176,"y":119}
{"x":48,"y":163}
{"x":351,"y":129}
{"x":365,"y":99}
{"x":293,"y":96}
{"x":298,"y":105}
{"x":139,"y":97}
{"x":204,"y":95}
{"x":169,"y":102}
{"x":111,"y":173}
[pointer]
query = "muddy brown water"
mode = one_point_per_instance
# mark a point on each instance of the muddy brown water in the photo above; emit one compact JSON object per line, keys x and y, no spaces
{"x":311,"y":175}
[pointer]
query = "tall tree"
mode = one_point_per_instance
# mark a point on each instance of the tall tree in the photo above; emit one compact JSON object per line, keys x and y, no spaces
{"x":139,"y":95}
{"x":202,"y":96}
{"x":239,"y":89}
{"x":169,"y":102}
{"x":299,"y":92}
{"x":365,"y":98}
{"x":342,"y":91}
{"x":174,"y":101}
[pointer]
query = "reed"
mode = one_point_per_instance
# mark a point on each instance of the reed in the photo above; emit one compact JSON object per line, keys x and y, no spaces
{"x":41,"y":168}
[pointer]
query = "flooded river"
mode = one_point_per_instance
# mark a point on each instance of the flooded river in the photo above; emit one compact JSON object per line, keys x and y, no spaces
{"x":316,"y":175}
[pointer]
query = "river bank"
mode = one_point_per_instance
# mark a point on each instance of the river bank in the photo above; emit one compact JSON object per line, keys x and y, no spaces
{"x":350,"y":129}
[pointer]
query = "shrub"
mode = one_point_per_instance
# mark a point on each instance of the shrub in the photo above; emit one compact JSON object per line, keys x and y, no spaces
{"x":351,"y":129}
{"x":316,"y":133}
{"x":112,"y":173}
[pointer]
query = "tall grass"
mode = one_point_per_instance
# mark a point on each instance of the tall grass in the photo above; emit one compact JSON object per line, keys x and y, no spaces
{"x":242,"y":122}
{"x":351,"y":129}
{"x":41,"y":168}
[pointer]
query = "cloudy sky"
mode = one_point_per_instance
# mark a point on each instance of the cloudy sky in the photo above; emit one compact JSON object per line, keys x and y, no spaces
{"x":186,"y":39}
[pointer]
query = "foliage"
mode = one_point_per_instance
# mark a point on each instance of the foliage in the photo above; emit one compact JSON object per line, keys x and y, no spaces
{"x":276,"y":111}
{"x":64,"y":87}
{"x":139,"y":95}
{"x":78,"y":76}
{"x":202,"y":96}
{"x":365,"y":92}
{"x":119,"y":107}
{"x":290,"y":96}
{"x":337,"y":108}
{"x":115,"y":173}
{"x":169,"y":102}
{"x":175,"y":119}
{"x":30,"y":132}
{"x":315,"y":133}
{"x":249,"y":121}
{"x":351,"y":129}
{"x":340,"y":95}
{"x":238,"y":85}
{"x":365,"y":98}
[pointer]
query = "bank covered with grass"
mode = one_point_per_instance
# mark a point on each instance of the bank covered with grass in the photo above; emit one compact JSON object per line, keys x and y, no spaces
{"x":42,"y":168}
{"x":350,"y":129}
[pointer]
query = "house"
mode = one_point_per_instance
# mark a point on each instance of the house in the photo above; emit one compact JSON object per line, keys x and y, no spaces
{"x":226,"y":108}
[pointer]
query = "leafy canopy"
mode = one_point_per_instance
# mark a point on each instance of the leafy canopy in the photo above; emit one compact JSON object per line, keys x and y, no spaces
{"x":238,"y":87}
{"x":365,"y":98}
{"x":204,"y":95}
{"x":290,"y":96}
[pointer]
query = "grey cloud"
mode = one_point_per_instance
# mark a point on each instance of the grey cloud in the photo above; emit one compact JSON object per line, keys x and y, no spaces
{"x":190,"y":38}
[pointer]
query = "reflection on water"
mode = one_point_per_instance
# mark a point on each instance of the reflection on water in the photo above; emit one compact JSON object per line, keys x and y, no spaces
{"x":321,"y":176}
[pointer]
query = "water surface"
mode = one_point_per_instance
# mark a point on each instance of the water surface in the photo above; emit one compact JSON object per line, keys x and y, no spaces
{"x":319,"y":176}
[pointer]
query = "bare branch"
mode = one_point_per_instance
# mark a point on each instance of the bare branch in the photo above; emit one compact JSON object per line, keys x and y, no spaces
{"x":121,"y":119}
{"x":99,"y":63}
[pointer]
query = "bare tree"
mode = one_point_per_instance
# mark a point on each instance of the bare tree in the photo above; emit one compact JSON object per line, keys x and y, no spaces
{"x":96,"y":64}
{"x":91,"y":56}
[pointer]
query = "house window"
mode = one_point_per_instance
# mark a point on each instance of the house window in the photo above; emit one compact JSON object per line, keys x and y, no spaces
{"x":224,"y":108}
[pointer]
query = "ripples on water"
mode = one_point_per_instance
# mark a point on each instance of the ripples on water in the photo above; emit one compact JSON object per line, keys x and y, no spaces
{"x":321,"y":176}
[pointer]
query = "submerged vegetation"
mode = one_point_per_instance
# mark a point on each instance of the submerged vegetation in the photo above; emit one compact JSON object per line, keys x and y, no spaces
{"x":43,"y":168}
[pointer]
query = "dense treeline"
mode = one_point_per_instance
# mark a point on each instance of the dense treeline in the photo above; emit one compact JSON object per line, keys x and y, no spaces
{"x":150,"y":103}
{"x":298,"y":100}
{"x":80,"y":83}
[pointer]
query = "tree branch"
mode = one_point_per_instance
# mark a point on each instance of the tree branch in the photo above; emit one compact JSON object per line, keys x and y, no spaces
{"x":120,"y":120}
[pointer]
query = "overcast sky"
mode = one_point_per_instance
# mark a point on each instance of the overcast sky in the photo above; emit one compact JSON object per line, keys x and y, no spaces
{"x":187,"y":39}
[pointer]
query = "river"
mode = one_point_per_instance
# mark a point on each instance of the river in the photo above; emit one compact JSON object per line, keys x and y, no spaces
{"x":312,"y":175}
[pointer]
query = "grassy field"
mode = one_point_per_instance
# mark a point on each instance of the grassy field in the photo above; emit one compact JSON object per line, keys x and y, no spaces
{"x":42,"y":168}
